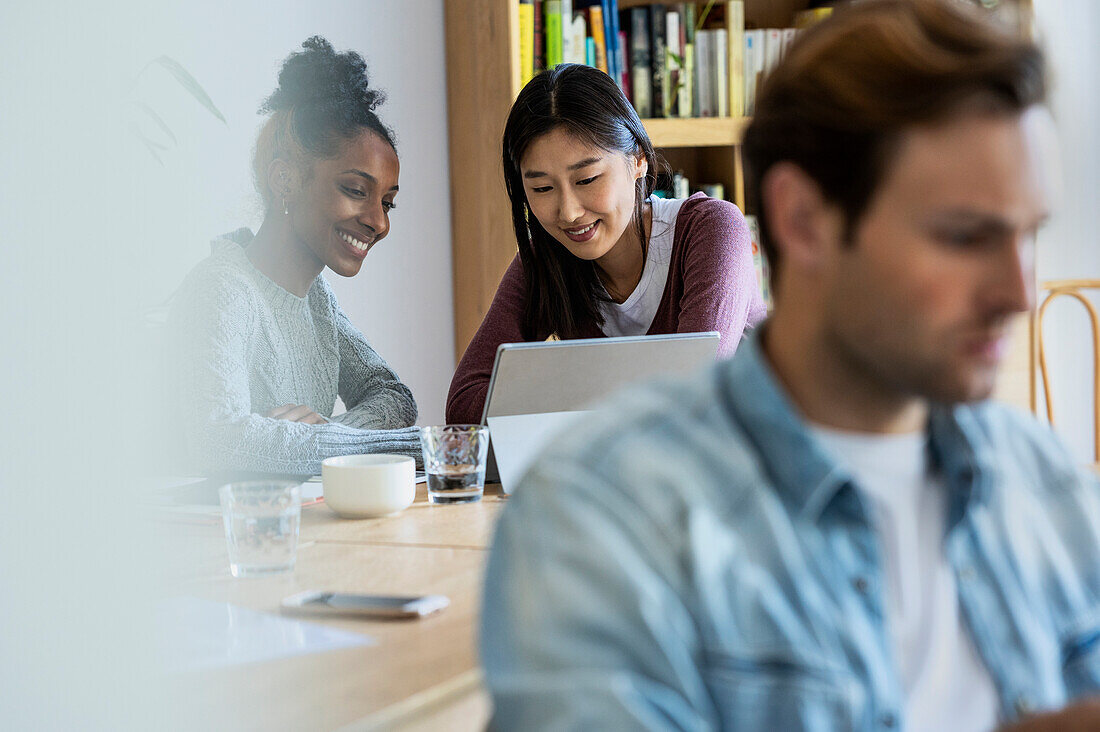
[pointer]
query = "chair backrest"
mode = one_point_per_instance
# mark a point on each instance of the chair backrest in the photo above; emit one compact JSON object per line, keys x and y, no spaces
{"x":1072,"y":288}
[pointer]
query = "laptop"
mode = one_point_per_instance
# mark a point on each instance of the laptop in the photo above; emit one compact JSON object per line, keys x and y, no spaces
{"x":537,"y":390}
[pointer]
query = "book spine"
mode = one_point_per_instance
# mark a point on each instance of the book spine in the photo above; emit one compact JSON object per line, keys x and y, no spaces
{"x":721,"y":80}
{"x":608,"y":37}
{"x":681,"y":186}
{"x":789,"y":34}
{"x":623,"y":62}
{"x":641,"y":81}
{"x":553,"y":33}
{"x":683,"y":97}
{"x":773,"y":49}
{"x":687,"y":90}
{"x":758,"y":260}
{"x":751,"y":53}
{"x":658,"y":59}
{"x":580,"y":38}
{"x":689,"y":57}
{"x":704,"y":72}
{"x":615,"y":29}
{"x":735,"y":44}
{"x":567,"y":52}
{"x":540,"y":37}
{"x":675,"y":56}
{"x":595,"y":25}
{"x":526,"y":41}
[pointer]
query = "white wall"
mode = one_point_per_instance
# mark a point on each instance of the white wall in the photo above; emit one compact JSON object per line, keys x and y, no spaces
{"x":1070,"y":246}
{"x":402,"y":297}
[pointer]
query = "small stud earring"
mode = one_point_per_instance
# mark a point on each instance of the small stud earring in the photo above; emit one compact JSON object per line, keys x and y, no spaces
{"x":286,"y":211}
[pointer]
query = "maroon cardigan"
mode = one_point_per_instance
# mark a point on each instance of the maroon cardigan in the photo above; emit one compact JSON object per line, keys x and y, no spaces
{"x":711,"y":286}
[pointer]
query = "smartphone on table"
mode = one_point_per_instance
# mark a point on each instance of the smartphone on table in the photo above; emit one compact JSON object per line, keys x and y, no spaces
{"x":375,"y":606}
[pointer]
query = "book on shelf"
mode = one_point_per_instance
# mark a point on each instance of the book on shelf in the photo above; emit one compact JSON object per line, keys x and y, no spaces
{"x":675,"y":58}
{"x":566,"y":13}
{"x":596,"y":27}
{"x":658,"y":49}
{"x":611,"y":34}
{"x":773,"y":48}
{"x":704,"y":86}
{"x":759,"y":261}
{"x":624,"y":64}
{"x":641,"y":77}
{"x":735,"y":46}
{"x":687,"y":80}
{"x":721,"y":74}
{"x":580,"y":39}
{"x":539,"y":42}
{"x":752,"y":52}
{"x":526,"y":40}
{"x":552,"y":24}
{"x":670,"y":59}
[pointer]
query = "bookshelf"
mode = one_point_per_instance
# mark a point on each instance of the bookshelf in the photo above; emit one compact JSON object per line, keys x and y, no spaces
{"x":483,"y":78}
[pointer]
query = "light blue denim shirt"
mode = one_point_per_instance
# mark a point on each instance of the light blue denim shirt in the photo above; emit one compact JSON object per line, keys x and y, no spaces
{"x":690,"y":558}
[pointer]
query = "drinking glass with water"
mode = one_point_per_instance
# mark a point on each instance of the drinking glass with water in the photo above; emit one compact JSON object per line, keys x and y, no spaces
{"x":454,"y":459}
{"x":261,"y":526}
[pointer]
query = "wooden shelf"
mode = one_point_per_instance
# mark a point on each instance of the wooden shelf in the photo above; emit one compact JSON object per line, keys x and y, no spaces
{"x":696,"y":131}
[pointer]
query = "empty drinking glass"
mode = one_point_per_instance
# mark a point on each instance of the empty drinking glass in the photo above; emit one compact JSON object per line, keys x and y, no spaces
{"x":454,"y":459}
{"x":261,"y":526}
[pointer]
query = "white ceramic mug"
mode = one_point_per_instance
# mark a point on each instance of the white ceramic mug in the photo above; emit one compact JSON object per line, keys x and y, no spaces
{"x":367,"y":486}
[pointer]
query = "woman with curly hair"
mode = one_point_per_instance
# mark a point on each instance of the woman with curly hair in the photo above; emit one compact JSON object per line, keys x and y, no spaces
{"x":266,"y":348}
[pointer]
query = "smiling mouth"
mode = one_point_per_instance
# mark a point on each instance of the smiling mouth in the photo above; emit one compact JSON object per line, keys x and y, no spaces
{"x":361,"y":246}
{"x":582,"y":233}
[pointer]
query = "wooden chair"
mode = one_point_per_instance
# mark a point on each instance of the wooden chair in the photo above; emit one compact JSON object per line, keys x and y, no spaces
{"x":1072,"y":288}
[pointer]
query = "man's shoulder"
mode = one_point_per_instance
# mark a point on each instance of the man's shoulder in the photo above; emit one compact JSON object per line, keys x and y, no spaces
{"x":1013,"y":437}
{"x":670,"y":442}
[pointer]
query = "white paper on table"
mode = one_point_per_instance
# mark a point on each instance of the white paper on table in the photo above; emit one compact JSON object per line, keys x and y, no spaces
{"x":518,"y":439}
{"x":200,"y":634}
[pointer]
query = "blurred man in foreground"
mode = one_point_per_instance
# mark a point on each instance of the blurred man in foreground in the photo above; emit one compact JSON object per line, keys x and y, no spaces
{"x":834,"y":529}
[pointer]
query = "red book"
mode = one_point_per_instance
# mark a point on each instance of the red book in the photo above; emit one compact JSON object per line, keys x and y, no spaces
{"x":540,"y":37}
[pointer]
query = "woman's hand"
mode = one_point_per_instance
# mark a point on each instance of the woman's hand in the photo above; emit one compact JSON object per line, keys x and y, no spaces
{"x":296,"y":413}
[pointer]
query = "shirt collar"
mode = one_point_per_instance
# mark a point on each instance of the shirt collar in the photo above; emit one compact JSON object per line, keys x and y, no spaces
{"x":805,"y":475}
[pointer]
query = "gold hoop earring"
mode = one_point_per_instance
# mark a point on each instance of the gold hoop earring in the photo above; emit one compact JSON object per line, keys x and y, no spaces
{"x":286,"y":211}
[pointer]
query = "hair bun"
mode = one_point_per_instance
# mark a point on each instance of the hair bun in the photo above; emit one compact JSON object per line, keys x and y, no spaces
{"x":318,"y":75}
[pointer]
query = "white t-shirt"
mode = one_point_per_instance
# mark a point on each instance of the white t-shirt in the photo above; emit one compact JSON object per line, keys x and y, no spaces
{"x":946,"y":685}
{"x":635,"y":314}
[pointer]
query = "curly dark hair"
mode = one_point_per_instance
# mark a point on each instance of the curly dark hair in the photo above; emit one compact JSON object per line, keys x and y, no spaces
{"x":323,"y":99}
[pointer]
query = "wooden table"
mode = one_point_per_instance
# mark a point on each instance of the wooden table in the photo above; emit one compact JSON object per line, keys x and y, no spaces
{"x":420,"y":674}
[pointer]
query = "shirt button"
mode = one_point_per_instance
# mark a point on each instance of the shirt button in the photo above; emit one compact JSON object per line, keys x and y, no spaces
{"x":861,"y":584}
{"x":888,"y":720}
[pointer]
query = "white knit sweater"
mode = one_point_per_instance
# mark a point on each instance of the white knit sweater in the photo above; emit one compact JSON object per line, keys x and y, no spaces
{"x":244,"y":345}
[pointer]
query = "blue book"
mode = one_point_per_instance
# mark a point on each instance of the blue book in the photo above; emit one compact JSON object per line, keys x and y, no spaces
{"x":614,"y":42}
{"x":611,"y":38}
{"x":590,"y":52}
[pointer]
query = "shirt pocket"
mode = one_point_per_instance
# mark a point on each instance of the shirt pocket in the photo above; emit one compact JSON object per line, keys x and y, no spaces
{"x":778,"y":692}
{"x":1081,"y":662}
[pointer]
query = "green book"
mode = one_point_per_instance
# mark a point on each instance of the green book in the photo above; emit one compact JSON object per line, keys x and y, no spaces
{"x":553,"y":33}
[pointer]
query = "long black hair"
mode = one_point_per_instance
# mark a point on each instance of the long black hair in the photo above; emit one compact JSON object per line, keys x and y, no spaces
{"x":564,"y":291}
{"x":324,"y":99}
